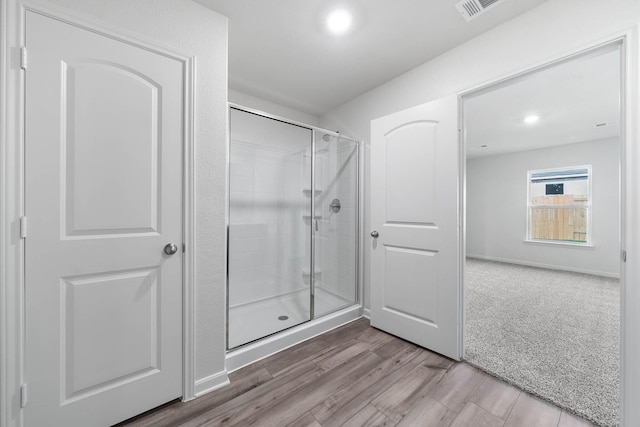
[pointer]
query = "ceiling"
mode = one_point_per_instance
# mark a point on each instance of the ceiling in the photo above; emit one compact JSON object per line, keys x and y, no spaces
{"x":280,"y":51}
{"x":570,"y":98}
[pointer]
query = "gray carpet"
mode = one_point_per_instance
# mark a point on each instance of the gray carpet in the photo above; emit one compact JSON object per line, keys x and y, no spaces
{"x":553,"y":333}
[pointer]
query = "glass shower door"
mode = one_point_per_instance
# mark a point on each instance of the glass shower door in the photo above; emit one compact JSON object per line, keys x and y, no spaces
{"x":336,"y":231}
{"x":269,"y":226}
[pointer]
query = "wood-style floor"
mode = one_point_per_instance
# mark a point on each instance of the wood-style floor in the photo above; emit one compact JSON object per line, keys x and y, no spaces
{"x":358,"y":376}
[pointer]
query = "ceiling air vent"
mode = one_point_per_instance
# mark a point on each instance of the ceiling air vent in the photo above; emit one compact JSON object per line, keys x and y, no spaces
{"x":469,"y":9}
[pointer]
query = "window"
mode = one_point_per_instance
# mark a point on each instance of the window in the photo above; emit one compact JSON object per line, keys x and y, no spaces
{"x":560,"y":205}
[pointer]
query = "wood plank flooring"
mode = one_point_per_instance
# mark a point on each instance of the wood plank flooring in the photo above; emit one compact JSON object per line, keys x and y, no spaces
{"x":359,"y":376}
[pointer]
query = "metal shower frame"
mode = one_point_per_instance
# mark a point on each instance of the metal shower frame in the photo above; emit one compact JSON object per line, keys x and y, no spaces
{"x":358,"y":224}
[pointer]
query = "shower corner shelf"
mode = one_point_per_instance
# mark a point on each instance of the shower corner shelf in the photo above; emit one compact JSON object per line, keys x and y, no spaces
{"x":307,"y":271}
{"x":307,"y":191}
{"x":307,"y":217}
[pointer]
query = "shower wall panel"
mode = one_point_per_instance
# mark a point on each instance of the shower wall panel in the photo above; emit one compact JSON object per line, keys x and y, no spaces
{"x":265,"y":239}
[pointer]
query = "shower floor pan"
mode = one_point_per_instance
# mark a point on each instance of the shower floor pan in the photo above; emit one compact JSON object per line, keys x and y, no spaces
{"x":256,"y":320}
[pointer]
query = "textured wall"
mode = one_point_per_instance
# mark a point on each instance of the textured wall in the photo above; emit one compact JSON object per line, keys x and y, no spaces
{"x":553,"y":29}
{"x":497,"y":207}
{"x":192,"y":29}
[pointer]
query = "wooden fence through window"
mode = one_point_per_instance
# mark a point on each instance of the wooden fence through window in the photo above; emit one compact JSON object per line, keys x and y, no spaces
{"x":559,"y":217}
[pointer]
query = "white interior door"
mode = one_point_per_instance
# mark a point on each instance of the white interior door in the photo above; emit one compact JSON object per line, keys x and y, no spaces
{"x":414,"y":211}
{"x":104,"y":136}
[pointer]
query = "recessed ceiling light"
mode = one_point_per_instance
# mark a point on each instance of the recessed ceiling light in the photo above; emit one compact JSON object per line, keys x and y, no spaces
{"x":339,"y":21}
{"x":531,"y":119}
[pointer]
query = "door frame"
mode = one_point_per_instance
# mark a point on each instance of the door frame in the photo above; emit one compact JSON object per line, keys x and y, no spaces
{"x":12,"y":196}
{"x":629,"y":201}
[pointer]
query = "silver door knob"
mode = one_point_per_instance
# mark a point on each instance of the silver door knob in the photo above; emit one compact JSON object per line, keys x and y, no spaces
{"x":374,"y":234}
{"x":170,"y":248}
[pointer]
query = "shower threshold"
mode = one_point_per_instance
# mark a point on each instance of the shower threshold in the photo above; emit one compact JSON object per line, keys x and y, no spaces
{"x":296,"y":333}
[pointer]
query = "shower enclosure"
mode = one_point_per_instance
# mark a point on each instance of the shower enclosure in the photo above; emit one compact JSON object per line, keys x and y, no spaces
{"x":293,"y":225}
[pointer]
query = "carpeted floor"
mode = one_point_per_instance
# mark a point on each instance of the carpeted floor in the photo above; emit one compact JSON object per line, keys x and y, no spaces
{"x":553,"y":333}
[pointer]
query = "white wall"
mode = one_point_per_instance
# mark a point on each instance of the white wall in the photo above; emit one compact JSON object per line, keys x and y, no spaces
{"x":550,"y":31}
{"x":189,"y":28}
{"x":261,"y":104}
{"x":497,"y":208}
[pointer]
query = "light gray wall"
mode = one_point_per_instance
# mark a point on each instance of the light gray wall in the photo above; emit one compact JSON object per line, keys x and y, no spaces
{"x":497,"y":208}
{"x":552,"y":30}
{"x":189,"y":28}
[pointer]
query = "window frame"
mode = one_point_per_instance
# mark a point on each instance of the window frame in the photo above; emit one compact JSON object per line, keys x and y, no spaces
{"x":588,"y":206}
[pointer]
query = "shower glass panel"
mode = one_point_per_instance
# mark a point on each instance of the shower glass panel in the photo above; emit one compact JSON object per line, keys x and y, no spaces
{"x":270,"y":171}
{"x":336,"y":230}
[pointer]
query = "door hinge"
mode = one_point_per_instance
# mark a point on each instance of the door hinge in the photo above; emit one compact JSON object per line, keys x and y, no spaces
{"x":624,"y":256}
{"x":23,"y":57}
{"x":23,"y":227}
{"x":23,"y":395}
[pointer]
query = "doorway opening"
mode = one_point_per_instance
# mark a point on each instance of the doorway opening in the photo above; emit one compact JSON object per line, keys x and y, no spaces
{"x":542,"y":209}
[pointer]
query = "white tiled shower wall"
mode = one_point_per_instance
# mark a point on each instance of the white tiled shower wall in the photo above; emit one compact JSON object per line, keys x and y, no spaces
{"x":267,"y":236}
{"x":269,"y":231}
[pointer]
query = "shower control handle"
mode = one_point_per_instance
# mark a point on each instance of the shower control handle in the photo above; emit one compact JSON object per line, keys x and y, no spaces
{"x":335,"y":206}
{"x":374,"y":234}
{"x":170,"y":248}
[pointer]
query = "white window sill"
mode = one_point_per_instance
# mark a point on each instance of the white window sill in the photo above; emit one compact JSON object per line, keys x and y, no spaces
{"x":559,"y":243}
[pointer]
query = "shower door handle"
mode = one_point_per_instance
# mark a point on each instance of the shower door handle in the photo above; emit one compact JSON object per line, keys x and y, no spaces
{"x":374,"y":234}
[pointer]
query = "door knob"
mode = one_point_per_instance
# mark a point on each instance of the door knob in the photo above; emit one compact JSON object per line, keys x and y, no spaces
{"x":170,"y":248}
{"x":374,"y":234}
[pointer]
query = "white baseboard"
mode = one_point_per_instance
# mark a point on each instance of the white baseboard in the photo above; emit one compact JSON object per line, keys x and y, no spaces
{"x":366,"y":312}
{"x":211,"y":383}
{"x":547,"y":266}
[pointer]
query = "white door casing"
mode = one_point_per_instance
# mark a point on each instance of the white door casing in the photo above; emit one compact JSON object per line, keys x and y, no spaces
{"x":104,"y":131}
{"x":414,"y":266}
